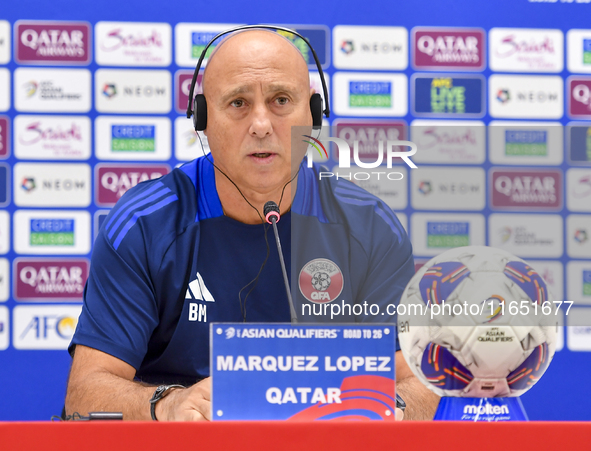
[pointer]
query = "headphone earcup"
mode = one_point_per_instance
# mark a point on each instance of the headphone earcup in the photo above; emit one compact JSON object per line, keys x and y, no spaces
{"x":200,"y":113}
{"x":316,"y":109}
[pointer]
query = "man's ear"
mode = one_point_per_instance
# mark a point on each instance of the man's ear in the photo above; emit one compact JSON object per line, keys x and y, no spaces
{"x":312,"y":92}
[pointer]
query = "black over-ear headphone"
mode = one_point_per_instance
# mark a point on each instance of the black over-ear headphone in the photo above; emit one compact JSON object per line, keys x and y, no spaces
{"x":199,"y":111}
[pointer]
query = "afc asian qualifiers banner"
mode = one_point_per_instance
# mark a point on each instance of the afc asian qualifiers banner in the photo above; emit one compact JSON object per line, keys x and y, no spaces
{"x":302,"y":372}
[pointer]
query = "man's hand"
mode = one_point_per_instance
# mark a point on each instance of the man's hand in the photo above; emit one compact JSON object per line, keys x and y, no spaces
{"x":421,"y":402}
{"x":399,"y":414}
{"x":186,"y":404}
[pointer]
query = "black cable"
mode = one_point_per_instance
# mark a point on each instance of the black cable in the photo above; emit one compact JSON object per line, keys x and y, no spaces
{"x":254,"y":281}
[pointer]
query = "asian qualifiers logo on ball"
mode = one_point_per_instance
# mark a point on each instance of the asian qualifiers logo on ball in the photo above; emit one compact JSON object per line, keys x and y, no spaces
{"x":321,"y":281}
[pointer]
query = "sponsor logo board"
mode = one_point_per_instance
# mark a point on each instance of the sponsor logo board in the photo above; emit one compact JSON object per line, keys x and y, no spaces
{"x":4,"y":232}
{"x":53,"y":43}
{"x":4,"y":42}
{"x":578,"y":236}
{"x":578,"y":190}
{"x":113,"y":180}
{"x":448,"y":48}
{"x":132,"y":138}
{"x":387,"y":184}
{"x":526,"y":50}
{"x":370,"y":48}
{"x":4,"y":328}
{"x":526,"y":96}
{"x":319,"y":38}
{"x":448,"y":95}
{"x":186,"y":142}
{"x":525,"y":189}
{"x":579,"y":143}
{"x":41,"y":279}
{"x":578,"y":45}
{"x":52,"y":232}
{"x":578,"y":330}
{"x":433,"y":233}
{"x":44,"y":326}
{"x":578,"y":275}
{"x":4,"y":184}
{"x":457,"y":188}
{"x":132,"y":91}
{"x":4,"y":279}
{"x":52,"y":90}
{"x":529,"y":235}
{"x":579,"y":97}
{"x":191,"y":38}
{"x":367,"y":94}
{"x":182,"y":86}
{"x":5,"y":91}
{"x":133,"y":44}
{"x":51,"y":185}
{"x":456,"y":142}
{"x":525,"y":143}
{"x":552,"y":273}
{"x":52,"y":137}
{"x":368,"y":133}
{"x":4,"y":137}
{"x":99,"y":219}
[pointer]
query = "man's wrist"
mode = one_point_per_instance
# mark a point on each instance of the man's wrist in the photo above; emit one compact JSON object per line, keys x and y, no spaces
{"x":160,"y":393}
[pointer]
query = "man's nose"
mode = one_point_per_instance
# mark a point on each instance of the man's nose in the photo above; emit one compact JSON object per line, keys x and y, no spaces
{"x":261,"y":125}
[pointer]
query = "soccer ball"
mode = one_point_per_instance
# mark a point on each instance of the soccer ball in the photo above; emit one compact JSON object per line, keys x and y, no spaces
{"x":477,"y":321}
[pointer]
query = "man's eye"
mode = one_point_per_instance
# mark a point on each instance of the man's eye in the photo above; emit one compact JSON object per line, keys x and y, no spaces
{"x":282,"y":100}
{"x":237,"y":103}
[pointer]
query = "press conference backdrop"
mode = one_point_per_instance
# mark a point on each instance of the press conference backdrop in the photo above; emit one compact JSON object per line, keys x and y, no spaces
{"x":92,"y":96}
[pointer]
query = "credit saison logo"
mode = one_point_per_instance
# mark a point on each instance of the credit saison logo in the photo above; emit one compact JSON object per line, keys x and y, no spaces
{"x":58,"y":42}
{"x":587,"y":52}
{"x":448,"y":234}
{"x":526,"y":143}
{"x":52,"y":232}
{"x":586,"y":283}
{"x":133,"y":138}
{"x":372,"y":94}
{"x":199,"y":39}
{"x":389,"y":148}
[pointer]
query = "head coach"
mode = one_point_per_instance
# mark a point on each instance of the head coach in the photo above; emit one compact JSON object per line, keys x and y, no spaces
{"x":190,"y":248}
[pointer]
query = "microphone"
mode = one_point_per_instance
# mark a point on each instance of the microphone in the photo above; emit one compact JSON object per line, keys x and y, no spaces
{"x":272,"y":216}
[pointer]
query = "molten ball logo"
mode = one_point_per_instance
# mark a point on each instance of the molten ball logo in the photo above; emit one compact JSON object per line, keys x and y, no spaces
{"x":321,"y":281}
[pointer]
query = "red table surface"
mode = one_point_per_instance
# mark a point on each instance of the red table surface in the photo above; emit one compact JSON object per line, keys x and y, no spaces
{"x":285,"y":436}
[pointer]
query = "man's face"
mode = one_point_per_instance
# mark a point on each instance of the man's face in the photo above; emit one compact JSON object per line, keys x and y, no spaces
{"x":257,"y":87}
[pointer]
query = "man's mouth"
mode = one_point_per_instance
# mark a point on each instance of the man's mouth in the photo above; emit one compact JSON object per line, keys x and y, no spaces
{"x":261,"y":154}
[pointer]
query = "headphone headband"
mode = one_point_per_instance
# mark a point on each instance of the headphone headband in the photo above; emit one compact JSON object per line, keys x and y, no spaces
{"x":262,"y":27}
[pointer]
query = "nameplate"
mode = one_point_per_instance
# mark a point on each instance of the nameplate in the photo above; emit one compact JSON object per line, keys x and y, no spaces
{"x":302,"y":372}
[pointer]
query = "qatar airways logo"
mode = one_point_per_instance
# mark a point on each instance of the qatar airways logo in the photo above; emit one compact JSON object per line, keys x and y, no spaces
{"x":113,"y":181}
{"x":389,"y":148}
{"x":448,"y":48}
{"x":40,"y":279}
{"x":52,"y":42}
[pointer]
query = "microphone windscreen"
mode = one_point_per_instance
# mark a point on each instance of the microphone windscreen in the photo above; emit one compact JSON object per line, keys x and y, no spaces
{"x":270,"y":207}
